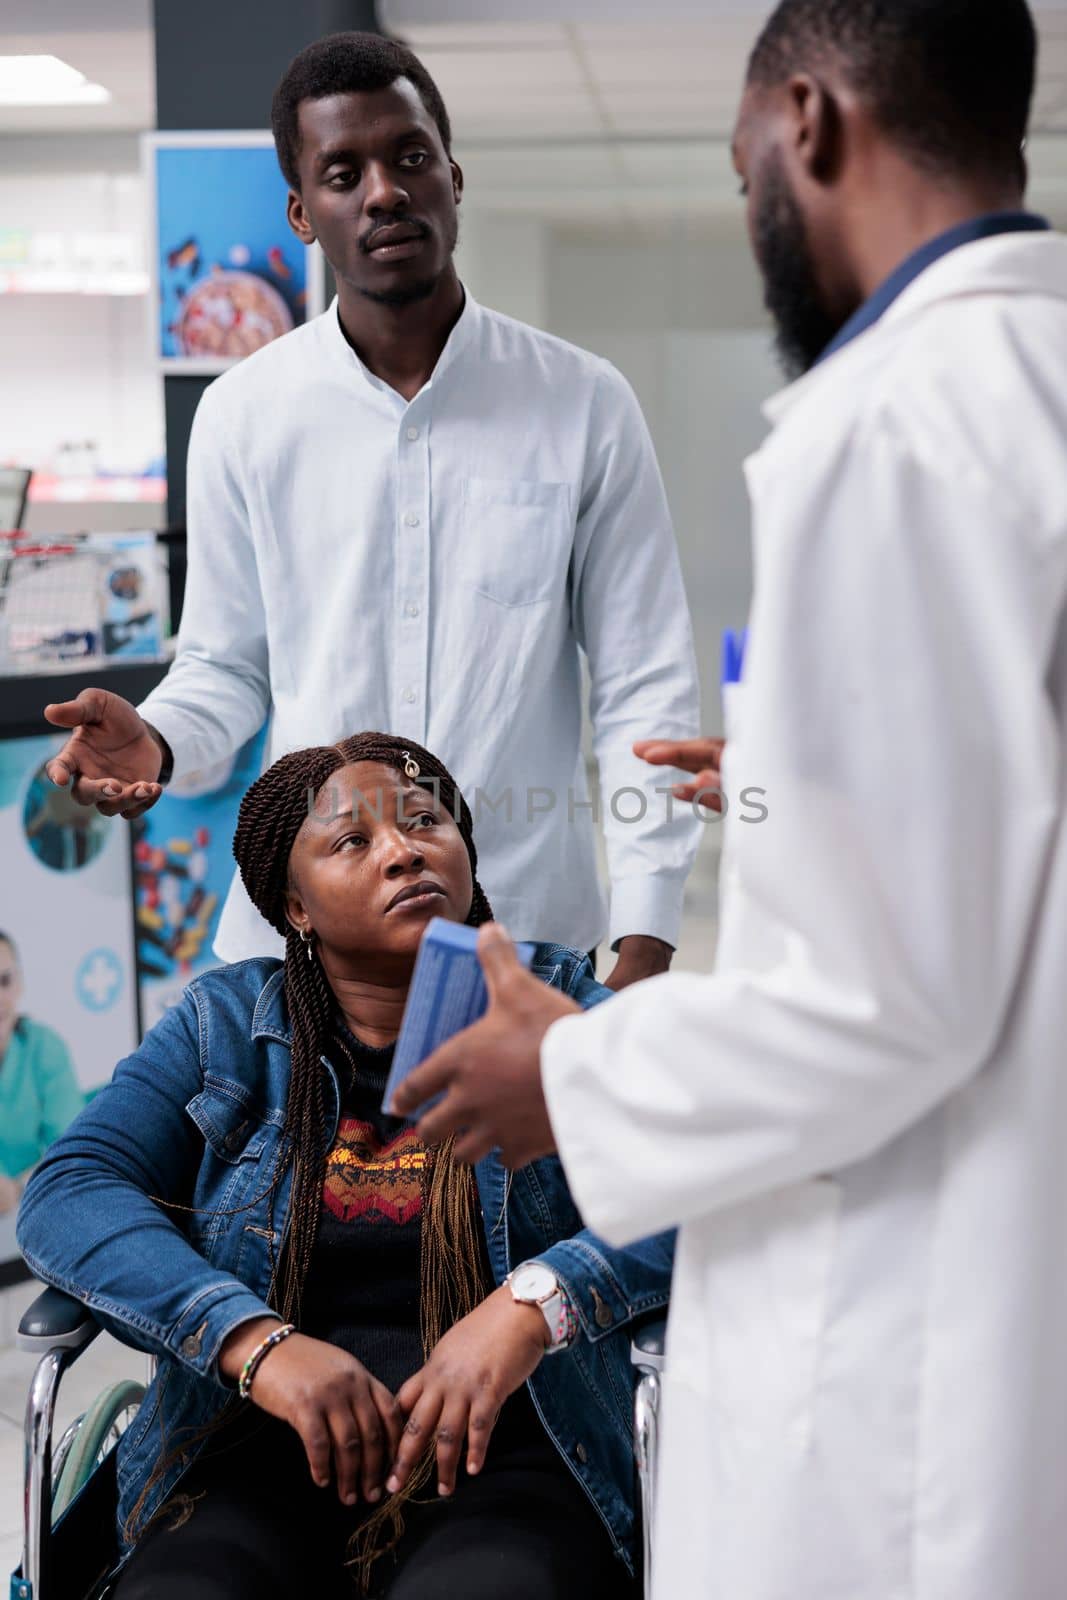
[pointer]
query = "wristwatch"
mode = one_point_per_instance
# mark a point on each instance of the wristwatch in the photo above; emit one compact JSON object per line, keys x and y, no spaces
{"x":534,"y":1284}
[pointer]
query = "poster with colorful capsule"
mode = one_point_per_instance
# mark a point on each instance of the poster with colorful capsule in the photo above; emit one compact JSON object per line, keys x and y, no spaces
{"x":229,"y":275}
{"x":183,"y":865}
{"x":68,"y":988}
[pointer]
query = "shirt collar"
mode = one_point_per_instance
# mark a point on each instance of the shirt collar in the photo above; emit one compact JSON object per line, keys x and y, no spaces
{"x":457,"y":341}
{"x":984,"y":227}
{"x":269,"y":1016}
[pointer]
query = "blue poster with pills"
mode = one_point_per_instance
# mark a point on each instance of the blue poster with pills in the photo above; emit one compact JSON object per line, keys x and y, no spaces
{"x":68,"y":1000}
{"x":229,"y":274}
{"x":183,"y":863}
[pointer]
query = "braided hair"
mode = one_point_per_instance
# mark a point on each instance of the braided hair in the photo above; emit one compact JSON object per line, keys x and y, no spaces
{"x":271,"y":815}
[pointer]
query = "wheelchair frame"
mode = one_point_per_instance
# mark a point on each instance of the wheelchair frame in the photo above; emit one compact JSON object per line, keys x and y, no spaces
{"x":57,"y":1328}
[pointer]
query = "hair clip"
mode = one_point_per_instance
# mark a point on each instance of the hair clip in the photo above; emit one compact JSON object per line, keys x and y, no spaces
{"x":411,"y":766}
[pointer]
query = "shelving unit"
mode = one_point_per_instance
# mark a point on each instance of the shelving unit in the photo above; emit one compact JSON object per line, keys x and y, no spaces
{"x":23,"y":280}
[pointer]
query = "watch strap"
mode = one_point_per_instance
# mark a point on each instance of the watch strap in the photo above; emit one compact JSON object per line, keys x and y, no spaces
{"x":564,"y":1330}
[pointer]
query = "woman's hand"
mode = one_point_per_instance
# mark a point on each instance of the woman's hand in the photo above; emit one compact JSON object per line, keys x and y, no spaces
{"x":460,"y":1390}
{"x":340,"y":1412}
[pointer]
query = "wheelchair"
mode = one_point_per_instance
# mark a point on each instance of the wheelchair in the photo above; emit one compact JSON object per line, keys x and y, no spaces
{"x":69,"y":1543}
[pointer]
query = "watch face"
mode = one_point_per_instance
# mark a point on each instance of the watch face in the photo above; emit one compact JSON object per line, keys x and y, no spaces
{"x":533,"y":1281}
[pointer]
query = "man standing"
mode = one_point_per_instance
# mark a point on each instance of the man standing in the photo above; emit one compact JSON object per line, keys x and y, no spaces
{"x":409,"y":515}
{"x":858,"y":1120}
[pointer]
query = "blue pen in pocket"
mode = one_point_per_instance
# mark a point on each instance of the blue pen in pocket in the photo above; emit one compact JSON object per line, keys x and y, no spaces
{"x":734,"y":645}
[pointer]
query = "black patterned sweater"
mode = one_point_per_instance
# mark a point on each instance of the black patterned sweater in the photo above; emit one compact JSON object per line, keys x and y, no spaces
{"x":362,"y":1291}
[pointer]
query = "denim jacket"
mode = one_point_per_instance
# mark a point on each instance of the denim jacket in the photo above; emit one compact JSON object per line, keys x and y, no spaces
{"x":195,"y":1116}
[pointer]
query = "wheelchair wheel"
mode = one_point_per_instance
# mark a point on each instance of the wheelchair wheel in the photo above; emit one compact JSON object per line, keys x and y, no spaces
{"x":61,"y":1450}
{"x":100,"y":1428}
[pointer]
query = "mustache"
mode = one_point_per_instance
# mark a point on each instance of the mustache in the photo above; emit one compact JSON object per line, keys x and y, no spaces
{"x":422,"y":230}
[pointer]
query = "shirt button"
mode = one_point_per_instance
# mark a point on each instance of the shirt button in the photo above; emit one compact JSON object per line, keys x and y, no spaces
{"x":582,"y":1453}
{"x":413,"y":434}
{"x":413,"y":611}
{"x":410,"y":696}
{"x":191,"y":1346}
{"x":411,"y":520}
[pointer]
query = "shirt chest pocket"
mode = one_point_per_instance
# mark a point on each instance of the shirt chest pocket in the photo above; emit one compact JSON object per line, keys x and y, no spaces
{"x":231,"y":1131}
{"x":516,"y":539}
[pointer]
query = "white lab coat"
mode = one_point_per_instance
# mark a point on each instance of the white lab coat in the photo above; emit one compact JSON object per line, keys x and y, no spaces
{"x":860,"y":1120}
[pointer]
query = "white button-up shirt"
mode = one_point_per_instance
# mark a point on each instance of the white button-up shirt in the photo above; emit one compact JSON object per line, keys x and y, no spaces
{"x":432,"y":569}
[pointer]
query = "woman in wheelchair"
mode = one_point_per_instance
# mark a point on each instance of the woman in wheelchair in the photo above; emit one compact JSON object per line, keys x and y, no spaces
{"x":378,"y":1370}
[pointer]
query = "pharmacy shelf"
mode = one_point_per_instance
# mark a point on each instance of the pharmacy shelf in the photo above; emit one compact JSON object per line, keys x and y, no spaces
{"x":73,"y":283}
{"x":23,"y":699}
{"x":46,"y":489}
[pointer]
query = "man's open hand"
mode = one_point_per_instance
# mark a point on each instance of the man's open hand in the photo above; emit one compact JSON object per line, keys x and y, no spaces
{"x":111,"y":760}
{"x":490,"y":1074}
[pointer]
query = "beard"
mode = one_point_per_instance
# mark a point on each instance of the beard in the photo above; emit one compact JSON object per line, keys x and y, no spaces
{"x":407,"y":295}
{"x":803,"y":328}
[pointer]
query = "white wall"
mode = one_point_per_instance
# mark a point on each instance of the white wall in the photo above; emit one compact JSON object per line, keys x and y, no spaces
{"x":680,"y":315}
{"x":503,"y":260}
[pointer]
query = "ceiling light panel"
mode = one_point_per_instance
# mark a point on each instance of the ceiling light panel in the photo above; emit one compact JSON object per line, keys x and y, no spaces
{"x":43,"y":80}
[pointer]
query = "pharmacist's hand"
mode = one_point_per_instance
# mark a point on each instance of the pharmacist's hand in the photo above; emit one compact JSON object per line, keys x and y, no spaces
{"x":459,"y":1392}
{"x":490,"y":1074}
{"x":702,"y":757}
{"x":344,"y":1416}
{"x":111,"y":761}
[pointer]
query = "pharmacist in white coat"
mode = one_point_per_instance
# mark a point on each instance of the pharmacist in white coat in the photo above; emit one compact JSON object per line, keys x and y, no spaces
{"x":860,"y":1120}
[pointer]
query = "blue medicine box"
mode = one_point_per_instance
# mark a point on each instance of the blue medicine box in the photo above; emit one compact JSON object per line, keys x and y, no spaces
{"x":447,"y":994}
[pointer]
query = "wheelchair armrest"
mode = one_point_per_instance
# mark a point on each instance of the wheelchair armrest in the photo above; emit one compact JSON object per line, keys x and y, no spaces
{"x":648,"y":1345}
{"x":56,"y":1321}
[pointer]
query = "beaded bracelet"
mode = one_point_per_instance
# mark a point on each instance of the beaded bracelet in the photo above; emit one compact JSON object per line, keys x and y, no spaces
{"x":252,"y":1365}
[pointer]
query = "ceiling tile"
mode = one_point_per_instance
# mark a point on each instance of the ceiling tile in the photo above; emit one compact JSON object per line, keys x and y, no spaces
{"x":630,"y":113}
{"x":541,"y":71}
{"x":678,"y":161}
{"x":574,"y":166}
{"x":663,"y":72}
{"x":479,"y":35}
{"x":736,"y":33}
{"x":122,"y":62}
{"x":525,"y":127}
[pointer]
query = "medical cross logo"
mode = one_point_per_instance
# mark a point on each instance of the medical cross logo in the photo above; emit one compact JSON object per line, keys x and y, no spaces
{"x":98,"y":980}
